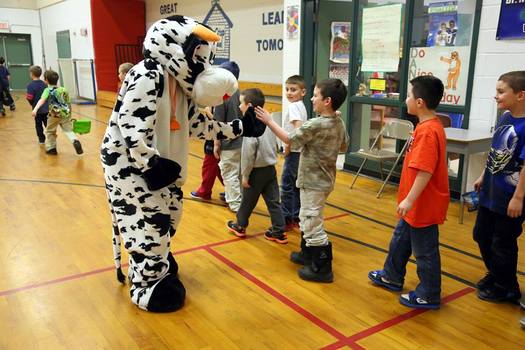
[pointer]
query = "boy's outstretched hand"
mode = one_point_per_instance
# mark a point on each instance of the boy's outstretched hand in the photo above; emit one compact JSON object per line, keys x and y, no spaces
{"x":263,"y":115}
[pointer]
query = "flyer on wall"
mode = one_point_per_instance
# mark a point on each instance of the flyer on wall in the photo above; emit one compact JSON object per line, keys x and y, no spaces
{"x":339,"y":71}
{"x":443,"y":23}
{"x":340,"y":42}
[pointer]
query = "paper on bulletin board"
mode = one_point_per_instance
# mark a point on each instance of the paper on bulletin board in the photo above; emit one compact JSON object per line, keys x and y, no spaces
{"x":378,"y":84}
{"x":448,"y":63}
{"x":340,"y":42}
{"x":380,"y":39}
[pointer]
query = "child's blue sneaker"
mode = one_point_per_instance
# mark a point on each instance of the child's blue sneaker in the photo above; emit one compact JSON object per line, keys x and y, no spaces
{"x":412,"y":300}
{"x":378,"y":277}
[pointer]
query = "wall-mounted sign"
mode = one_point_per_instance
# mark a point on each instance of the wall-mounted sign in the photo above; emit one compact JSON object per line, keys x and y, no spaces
{"x":450,"y":64}
{"x":381,"y":37}
{"x":511,"y":24}
{"x":4,"y":25}
{"x":168,"y":9}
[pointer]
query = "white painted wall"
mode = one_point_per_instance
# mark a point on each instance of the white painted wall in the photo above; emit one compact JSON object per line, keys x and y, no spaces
{"x":24,"y":21}
{"x":493,"y":58}
{"x":71,"y":15}
{"x":291,"y":51}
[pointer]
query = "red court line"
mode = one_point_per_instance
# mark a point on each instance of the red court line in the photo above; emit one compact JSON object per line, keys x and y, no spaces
{"x":288,"y":302}
{"x":351,"y":341}
{"x":105,"y":269}
{"x":57,"y":280}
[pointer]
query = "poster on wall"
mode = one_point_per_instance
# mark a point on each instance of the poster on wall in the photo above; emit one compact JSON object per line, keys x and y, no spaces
{"x":292,"y":22}
{"x":339,"y":71}
{"x":340,"y":42}
{"x":380,"y":38}
{"x":511,"y":24}
{"x":450,"y":64}
{"x":443,"y":23}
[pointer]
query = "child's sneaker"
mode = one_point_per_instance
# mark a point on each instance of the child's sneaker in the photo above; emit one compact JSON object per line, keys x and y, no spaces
{"x":236,"y":229}
{"x":196,"y":195}
{"x":279,"y":237}
{"x":78,"y":147}
{"x":522,"y":303}
{"x":485,"y":282}
{"x":496,"y":294}
{"x":378,"y":277}
{"x":12,"y":107}
{"x":52,"y":151}
{"x":412,"y":300}
{"x":522,"y":322}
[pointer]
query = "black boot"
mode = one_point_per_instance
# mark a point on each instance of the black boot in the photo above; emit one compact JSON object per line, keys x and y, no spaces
{"x":320,"y":269}
{"x":303,"y":257}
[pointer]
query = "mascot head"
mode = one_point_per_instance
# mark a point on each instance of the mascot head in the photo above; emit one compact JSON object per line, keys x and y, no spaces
{"x":186,"y":49}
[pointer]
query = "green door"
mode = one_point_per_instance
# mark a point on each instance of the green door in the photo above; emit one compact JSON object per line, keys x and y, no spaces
{"x":16,"y":49}
{"x":63,"y":44}
{"x":330,"y":11}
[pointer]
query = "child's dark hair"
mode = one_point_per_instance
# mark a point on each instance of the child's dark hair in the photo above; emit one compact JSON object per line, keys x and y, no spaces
{"x":253,"y":96}
{"x":51,"y":76}
{"x":2,"y":60}
{"x":297,"y":80}
{"x":428,"y":88}
{"x":35,"y":71}
{"x":515,"y":80}
{"x":335,"y":89}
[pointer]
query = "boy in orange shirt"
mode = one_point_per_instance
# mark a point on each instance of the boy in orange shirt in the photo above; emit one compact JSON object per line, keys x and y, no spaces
{"x":423,"y":199}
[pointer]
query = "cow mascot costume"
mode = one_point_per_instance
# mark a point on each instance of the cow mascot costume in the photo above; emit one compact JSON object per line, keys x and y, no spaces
{"x":145,"y":149}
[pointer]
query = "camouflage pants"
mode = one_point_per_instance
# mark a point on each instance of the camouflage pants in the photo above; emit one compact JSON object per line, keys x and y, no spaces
{"x":311,"y":217}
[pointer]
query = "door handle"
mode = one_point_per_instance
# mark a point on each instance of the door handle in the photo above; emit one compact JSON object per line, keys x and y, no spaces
{"x":18,"y":64}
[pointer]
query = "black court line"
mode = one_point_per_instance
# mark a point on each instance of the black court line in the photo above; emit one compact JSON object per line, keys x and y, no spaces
{"x":53,"y":182}
{"x":221,"y":205}
{"x":444,"y":245}
{"x":91,"y":118}
{"x":382,"y":250}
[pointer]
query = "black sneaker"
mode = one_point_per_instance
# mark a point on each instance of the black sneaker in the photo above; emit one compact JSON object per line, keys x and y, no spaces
{"x":236,"y":229}
{"x":496,"y":294}
{"x":279,"y":237}
{"x":52,"y":151}
{"x":78,"y":147}
{"x":12,"y":107}
{"x":485,"y":282}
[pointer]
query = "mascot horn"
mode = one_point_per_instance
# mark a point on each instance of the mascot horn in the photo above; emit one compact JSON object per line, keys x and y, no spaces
{"x":145,"y":148}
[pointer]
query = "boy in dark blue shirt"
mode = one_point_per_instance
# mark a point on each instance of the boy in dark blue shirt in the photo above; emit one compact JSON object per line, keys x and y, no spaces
{"x":34,"y":91}
{"x":4,"y":77}
{"x":501,"y":189}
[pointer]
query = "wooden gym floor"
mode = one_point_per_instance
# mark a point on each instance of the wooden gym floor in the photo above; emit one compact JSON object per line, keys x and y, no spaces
{"x":58,"y":288}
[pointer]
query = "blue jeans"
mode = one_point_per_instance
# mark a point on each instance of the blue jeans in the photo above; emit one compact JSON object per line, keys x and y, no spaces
{"x":424,"y":243}
{"x":290,"y":198}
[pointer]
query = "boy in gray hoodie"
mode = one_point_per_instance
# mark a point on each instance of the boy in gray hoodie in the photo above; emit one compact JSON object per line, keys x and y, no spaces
{"x":258,"y":159}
